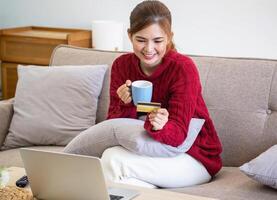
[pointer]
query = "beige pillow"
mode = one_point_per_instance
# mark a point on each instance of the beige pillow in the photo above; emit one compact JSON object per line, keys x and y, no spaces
{"x":54,"y":104}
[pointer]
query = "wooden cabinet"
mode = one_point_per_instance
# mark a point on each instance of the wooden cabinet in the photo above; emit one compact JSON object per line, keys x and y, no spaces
{"x":9,"y":79}
{"x":33,"y":45}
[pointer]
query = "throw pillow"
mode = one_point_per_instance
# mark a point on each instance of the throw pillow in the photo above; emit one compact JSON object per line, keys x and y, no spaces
{"x":130,"y":134}
{"x":263,"y":168}
{"x":144,"y":144}
{"x":54,"y":104}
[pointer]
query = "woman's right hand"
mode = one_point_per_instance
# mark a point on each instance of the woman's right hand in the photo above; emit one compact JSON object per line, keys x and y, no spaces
{"x":124,"y":92}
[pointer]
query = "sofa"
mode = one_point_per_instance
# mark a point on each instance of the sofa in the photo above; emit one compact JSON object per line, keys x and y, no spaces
{"x":241,"y":95}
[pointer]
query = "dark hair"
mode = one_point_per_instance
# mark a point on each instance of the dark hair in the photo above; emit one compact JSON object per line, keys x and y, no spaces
{"x":150,"y":12}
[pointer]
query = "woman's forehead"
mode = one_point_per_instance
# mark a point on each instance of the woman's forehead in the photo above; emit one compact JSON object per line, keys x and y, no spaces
{"x":151,"y":31}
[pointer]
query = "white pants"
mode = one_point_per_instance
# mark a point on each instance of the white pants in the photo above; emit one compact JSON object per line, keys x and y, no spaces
{"x":123,"y":166}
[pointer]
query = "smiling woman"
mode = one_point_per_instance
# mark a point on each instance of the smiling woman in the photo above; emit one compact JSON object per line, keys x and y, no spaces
{"x":150,"y":36}
{"x":150,"y":46}
{"x":177,"y":87}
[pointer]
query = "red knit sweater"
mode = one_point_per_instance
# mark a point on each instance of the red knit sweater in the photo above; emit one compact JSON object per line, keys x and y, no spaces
{"x":176,"y":85}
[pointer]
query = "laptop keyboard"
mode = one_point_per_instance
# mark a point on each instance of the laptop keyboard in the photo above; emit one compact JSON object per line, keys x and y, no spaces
{"x":114,"y":197}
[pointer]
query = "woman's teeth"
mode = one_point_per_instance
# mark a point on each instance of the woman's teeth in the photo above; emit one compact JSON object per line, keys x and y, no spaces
{"x":149,"y":56}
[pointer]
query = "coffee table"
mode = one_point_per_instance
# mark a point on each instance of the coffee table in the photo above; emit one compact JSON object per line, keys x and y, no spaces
{"x":145,"y":193}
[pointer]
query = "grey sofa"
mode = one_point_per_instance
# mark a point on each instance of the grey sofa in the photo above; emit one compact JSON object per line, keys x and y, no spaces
{"x":241,"y":95}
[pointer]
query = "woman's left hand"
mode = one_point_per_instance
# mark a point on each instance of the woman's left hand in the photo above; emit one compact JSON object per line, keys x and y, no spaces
{"x":158,"y":118}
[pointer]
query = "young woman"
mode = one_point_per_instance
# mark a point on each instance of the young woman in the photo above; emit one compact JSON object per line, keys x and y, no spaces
{"x":176,"y":85}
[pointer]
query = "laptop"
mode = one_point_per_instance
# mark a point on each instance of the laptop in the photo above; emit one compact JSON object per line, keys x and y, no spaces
{"x":61,"y":176}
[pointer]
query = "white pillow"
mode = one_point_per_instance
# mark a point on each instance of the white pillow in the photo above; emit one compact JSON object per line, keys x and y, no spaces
{"x":54,"y":104}
{"x":263,"y":168}
{"x":146,"y":145}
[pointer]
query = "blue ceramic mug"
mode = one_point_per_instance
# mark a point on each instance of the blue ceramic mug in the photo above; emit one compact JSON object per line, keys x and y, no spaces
{"x":142,"y":91}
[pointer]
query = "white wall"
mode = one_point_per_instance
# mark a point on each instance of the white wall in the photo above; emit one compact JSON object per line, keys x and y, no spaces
{"x":237,"y":28}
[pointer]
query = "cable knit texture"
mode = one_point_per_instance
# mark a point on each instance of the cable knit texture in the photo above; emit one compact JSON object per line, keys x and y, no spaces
{"x":176,"y":85}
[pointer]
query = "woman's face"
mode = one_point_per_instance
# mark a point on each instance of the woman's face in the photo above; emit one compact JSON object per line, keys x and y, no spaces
{"x":149,"y":45}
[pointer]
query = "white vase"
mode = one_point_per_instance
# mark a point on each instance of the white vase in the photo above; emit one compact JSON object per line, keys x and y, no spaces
{"x":4,"y":178}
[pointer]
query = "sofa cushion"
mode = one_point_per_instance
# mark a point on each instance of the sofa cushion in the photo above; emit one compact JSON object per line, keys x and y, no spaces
{"x":263,"y":168}
{"x":6,"y":113}
{"x":231,"y":184}
{"x":54,"y":104}
{"x":239,"y":95}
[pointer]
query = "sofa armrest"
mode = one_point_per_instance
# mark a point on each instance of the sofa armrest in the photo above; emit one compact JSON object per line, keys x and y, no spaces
{"x":6,"y":113}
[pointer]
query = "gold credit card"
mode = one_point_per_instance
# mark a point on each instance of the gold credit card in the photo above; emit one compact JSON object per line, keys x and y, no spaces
{"x":147,"y":107}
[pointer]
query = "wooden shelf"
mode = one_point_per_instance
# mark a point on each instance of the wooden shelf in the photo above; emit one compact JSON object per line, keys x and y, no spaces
{"x":33,"y":45}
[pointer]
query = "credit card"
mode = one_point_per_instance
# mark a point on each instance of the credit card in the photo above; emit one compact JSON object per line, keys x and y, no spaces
{"x":147,"y":107}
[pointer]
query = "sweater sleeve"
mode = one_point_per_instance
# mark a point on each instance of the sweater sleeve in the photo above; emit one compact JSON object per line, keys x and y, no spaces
{"x":117,"y":108}
{"x":183,"y":93}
